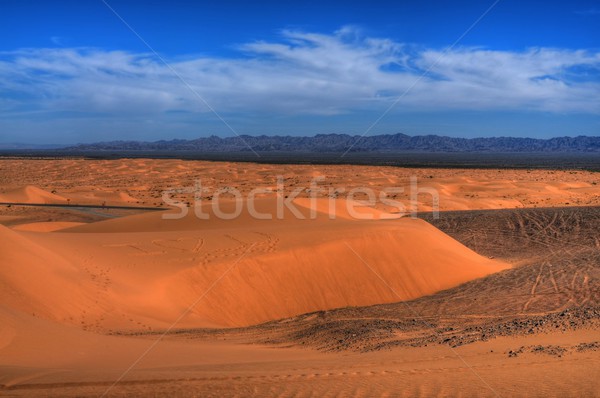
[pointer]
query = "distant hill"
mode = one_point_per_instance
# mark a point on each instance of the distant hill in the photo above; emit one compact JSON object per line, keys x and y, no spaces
{"x":343,"y":142}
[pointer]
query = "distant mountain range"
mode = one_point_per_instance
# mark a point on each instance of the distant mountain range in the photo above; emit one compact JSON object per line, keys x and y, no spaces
{"x":22,"y":146}
{"x":354,"y":143}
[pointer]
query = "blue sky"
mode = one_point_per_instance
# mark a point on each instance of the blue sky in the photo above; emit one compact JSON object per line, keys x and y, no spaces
{"x":72,"y":71}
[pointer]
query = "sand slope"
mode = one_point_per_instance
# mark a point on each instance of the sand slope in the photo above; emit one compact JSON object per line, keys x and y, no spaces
{"x":359,"y":267}
{"x":39,"y":351}
{"x":66,"y":362}
{"x":39,"y":281}
{"x":46,"y":226}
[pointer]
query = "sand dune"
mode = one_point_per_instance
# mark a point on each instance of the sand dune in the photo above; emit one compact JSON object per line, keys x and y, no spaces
{"x":79,"y":195}
{"x":31,"y":194}
{"x":149,"y":269}
{"x":318,"y":267}
{"x":143,"y":180}
{"x":398,"y":265}
{"x":64,"y":285}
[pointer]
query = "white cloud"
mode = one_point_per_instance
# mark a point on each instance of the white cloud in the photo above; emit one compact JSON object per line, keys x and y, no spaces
{"x":303,"y":73}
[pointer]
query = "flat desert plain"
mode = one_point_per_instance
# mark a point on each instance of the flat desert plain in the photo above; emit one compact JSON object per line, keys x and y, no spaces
{"x":148,"y":277}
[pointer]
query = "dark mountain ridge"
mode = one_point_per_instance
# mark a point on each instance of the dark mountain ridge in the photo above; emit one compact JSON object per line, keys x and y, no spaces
{"x":354,"y":143}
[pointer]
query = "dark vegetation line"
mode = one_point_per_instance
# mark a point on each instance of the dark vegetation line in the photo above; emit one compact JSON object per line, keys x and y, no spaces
{"x":408,"y":159}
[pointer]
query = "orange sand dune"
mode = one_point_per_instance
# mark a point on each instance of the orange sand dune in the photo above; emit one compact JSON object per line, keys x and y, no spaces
{"x":358,"y":267}
{"x":150,"y":270}
{"x":63,"y":286}
{"x":31,"y":194}
{"x":143,"y":181}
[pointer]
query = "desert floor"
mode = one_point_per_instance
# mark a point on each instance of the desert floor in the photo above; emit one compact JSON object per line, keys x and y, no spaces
{"x":334,"y":295}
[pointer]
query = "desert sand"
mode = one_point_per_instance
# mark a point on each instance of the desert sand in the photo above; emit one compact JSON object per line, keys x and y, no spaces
{"x":113,"y":302}
{"x":142,"y":181}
